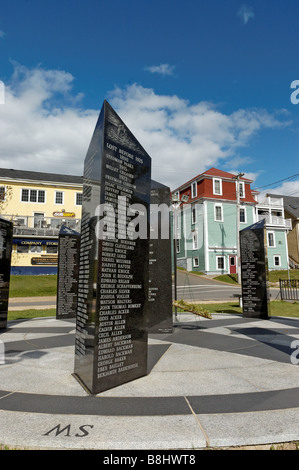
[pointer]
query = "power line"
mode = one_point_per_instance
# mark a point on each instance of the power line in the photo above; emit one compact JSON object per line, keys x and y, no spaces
{"x":276,"y":182}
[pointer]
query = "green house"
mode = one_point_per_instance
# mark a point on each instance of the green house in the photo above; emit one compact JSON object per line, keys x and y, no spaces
{"x":212,"y":208}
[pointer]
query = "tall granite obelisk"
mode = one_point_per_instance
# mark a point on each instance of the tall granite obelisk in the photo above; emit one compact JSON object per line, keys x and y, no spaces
{"x":111,"y":329}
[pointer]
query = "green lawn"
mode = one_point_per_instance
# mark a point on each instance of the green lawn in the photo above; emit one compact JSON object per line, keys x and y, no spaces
{"x":277,"y":308}
{"x":274,"y":276}
{"x":33,"y":286}
{"x":26,"y":314}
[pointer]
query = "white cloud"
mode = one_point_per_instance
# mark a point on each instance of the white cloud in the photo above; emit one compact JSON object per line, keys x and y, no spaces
{"x":2,"y":34}
{"x":185,"y":139}
{"x":246,"y":13}
{"x":43,"y":127}
{"x":36,"y":131}
{"x":289,"y":188}
{"x":162,"y":69}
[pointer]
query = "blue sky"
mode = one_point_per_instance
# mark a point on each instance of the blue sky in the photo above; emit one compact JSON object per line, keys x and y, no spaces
{"x":200,"y":83}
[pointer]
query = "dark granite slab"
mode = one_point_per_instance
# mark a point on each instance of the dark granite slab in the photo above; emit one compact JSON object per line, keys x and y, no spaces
{"x":6,"y":233}
{"x":254,"y":271}
{"x":111,"y":329}
{"x":67,"y":273}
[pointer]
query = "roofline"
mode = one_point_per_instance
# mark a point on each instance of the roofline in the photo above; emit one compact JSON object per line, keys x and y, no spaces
{"x":41,"y":182}
{"x":211,"y":198}
{"x":209,"y":176}
{"x":35,"y":177}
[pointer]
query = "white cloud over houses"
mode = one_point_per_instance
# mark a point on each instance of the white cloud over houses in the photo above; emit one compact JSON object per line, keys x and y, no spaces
{"x":44,"y":127}
{"x":288,"y":188}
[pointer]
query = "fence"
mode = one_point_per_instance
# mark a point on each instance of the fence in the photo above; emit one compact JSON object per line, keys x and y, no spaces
{"x":289,"y":289}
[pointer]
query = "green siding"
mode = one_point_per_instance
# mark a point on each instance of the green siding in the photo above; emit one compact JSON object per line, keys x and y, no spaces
{"x":278,"y":250}
{"x":221,"y":237}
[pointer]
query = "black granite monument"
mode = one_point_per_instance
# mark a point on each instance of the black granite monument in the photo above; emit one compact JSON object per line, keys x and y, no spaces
{"x":254,"y":271}
{"x":111,"y":329}
{"x":67,"y":273}
{"x":6,"y":233}
{"x":160,"y":281}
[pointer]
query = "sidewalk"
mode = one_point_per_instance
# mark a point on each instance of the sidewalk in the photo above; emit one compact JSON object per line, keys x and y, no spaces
{"x":217,"y":383}
{"x":26,"y":303}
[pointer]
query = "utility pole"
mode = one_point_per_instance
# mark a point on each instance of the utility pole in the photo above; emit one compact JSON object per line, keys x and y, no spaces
{"x":238,"y":226}
{"x":176,"y":202}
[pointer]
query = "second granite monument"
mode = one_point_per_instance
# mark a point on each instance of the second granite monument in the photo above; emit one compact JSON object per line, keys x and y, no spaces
{"x":254,"y":271}
{"x":67,"y":273}
{"x":6,"y":234}
{"x":160,"y":275}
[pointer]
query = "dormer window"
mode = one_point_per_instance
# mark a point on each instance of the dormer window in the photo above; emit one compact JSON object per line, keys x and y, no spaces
{"x":242,"y":189}
{"x":194,"y":189}
{"x":217,"y":186}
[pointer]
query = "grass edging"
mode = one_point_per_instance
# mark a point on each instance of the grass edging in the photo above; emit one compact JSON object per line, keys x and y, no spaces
{"x":278,"y":308}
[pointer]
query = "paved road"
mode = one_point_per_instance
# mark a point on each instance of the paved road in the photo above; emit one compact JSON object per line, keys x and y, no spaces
{"x":196,"y":288}
{"x":26,"y":303}
{"x":190,"y":287}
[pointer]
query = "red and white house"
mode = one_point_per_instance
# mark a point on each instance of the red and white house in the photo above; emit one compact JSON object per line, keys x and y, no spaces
{"x":206,"y":225}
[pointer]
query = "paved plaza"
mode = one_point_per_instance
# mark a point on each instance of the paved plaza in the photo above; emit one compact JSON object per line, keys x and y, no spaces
{"x":229,"y":381}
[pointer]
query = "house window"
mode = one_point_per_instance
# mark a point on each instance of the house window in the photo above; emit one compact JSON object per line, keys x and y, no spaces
{"x":194,"y":189}
{"x":2,"y":193}
{"x":242,"y":189}
{"x":195,"y":240}
{"x":41,"y":196}
{"x":22,"y":248}
{"x":33,"y":195}
{"x":19,"y":221}
{"x":277,"y":261}
{"x":220,"y":262}
{"x":35,"y":249}
{"x":59,"y":197}
{"x":25,"y":195}
{"x":217,"y":186}
{"x":193,"y":214}
{"x":79,"y":199}
{"x":50,"y":249}
{"x":242,"y":215}
{"x":195,"y":262}
{"x":271,"y":239}
{"x":178,"y":247}
{"x":218,"y":213}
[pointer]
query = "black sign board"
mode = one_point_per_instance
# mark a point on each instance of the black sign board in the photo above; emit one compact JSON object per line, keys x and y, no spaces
{"x":111,"y":330}
{"x":254,"y":271}
{"x":67,"y":273}
{"x":6,"y":233}
{"x":160,"y":281}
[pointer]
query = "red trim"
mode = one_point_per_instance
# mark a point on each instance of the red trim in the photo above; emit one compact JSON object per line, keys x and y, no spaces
{"x":205,"y":187}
